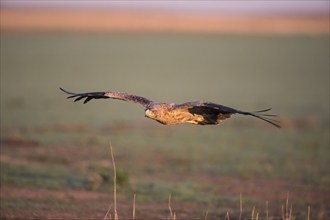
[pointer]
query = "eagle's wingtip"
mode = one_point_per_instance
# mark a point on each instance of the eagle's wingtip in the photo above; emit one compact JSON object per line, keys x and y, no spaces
{"x":67,"y":92}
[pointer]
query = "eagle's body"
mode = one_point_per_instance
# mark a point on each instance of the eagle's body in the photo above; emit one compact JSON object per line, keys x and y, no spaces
{"x":171,"y":114}
{"x":198,"y":113}
{"x":167,"y":114}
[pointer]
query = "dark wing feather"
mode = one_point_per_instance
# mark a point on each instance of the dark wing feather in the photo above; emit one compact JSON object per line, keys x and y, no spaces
{"x":210,"y":114}
{"x":105,"y":95}
{"x":223,"y":112}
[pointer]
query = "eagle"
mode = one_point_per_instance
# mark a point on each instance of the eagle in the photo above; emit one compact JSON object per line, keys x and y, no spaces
{"x":197,"y":112}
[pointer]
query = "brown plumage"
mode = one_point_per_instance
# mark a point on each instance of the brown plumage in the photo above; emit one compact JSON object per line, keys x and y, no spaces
{"x":198,"y":113}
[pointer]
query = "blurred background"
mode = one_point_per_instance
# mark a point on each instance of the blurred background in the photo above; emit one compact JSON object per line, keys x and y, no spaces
{"x":248,"y":55}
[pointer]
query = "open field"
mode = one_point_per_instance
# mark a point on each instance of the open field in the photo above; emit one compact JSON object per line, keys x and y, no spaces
{"x":202,"y":170}
{"x":55,"y":160}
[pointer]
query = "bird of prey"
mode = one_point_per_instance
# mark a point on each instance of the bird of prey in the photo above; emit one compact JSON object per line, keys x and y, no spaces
{"x":198,"y":113}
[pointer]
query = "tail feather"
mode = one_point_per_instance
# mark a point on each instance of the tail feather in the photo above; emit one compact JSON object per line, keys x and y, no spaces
{"x":264,"y":117}
{"x":265,"y":110}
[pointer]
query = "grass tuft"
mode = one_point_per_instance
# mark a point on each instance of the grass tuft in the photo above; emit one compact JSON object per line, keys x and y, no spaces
{"x":114,"y":189}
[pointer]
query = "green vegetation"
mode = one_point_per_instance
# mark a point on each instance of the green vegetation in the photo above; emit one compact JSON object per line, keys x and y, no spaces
{"x":288,"y":73}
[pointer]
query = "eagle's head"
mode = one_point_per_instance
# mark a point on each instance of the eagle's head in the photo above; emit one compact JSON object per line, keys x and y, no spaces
{"x":150,"y":114}
{"x":160,"y":112}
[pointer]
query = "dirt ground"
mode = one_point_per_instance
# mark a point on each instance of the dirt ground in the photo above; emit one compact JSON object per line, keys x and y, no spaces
{"x":30,"y":202}
{"x":94,"y":205}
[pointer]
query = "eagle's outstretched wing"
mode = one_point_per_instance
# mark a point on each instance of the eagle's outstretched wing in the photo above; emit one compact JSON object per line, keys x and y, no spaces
{"x":105,"y":95}
{"x":214,"y":113}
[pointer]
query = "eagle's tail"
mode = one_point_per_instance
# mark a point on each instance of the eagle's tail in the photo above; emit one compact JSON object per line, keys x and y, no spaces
{"x":265,"y":117}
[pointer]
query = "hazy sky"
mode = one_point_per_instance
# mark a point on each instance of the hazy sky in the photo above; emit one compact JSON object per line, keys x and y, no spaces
{"x":266,"y":6}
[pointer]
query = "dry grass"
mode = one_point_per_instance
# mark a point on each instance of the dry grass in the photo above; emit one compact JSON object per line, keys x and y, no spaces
{"x":172,"y":214}
{"x":134,"y":207}
{"x":286,"y":208}
{"x":115,"y":214}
